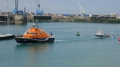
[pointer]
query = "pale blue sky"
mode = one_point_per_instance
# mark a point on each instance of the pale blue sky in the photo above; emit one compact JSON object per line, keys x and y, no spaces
{"x":66,"y":6}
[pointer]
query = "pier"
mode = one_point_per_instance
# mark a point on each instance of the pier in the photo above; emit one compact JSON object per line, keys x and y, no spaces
{"x":19,"y":19}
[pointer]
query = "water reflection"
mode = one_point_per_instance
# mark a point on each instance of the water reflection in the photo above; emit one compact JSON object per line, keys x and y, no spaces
{"x":33,"y":52}
{"x":35,"y":47}
{"x":40,"y":47}
{"x":5,"y":39}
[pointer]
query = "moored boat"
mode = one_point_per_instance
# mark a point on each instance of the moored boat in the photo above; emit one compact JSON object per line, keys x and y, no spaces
{"x":35,"y":35}
{"x":6,"y":36}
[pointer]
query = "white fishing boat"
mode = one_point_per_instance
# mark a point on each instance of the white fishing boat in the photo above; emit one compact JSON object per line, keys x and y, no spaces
{"x":101,"y":34}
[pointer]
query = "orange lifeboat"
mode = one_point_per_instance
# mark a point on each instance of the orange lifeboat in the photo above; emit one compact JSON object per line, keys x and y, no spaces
{"x":35,"y":35}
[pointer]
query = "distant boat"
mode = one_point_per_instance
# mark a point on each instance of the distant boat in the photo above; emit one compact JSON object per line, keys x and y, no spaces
{"x":101,"y":34}
{"x":35,"y":35}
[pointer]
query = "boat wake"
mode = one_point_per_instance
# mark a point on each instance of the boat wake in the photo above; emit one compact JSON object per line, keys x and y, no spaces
{"x":59,"y":40}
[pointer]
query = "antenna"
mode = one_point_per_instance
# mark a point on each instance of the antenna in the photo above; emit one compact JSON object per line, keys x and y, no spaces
{"x":7,"y":17}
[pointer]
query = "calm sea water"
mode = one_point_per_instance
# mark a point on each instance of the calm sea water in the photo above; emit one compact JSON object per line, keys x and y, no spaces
{"x":68,"y":50}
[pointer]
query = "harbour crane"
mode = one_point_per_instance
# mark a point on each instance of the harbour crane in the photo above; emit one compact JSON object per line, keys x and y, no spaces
{"x":82,"y":10}
{"x":16,"y":5}
{"x":38,"y":11}
{"x":16,"y":11}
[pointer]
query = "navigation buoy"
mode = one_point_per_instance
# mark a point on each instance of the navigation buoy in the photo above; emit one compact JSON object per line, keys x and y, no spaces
{"x":77,"y":34}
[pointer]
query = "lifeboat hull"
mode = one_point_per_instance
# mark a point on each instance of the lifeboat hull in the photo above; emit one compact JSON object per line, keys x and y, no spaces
{"x":28,"y":40}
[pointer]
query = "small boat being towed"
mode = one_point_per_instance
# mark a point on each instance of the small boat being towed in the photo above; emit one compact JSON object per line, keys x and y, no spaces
{"x":35,"y":35}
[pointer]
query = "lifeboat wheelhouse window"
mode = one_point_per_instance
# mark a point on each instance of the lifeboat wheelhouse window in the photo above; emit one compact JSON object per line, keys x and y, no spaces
{"x":30,"y":33}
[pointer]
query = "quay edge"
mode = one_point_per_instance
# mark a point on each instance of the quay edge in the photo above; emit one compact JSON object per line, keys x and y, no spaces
{"x":23,"y":19}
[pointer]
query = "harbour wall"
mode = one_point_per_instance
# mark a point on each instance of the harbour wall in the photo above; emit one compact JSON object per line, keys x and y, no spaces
{"x":23,"y":19}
